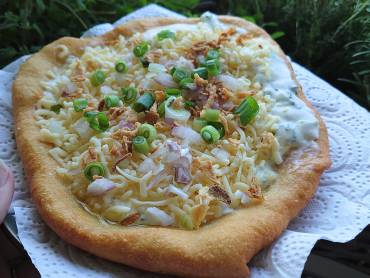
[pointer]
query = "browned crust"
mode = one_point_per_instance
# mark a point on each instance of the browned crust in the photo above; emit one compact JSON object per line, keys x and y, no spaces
{"x":219,"y":249}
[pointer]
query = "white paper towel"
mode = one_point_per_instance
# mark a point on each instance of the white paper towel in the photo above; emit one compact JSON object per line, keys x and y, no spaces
{"x":339,"y":210}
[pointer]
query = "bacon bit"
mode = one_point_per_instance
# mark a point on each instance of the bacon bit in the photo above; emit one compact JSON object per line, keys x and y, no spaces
{"x":151,"y":117}
{"x":225,"y":36}
{"x":220,"y":194}
{"x":120,"y":160}
{"x":91,"y":65}
{"x":225,"y":123}
{"x":159,"y":96}
{"x":101,"y":105}
{"x":130,"y":219}
{"x":162,"y":126}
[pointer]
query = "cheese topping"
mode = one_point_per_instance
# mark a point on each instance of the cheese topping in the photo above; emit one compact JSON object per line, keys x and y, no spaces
{"x":176,"y":126}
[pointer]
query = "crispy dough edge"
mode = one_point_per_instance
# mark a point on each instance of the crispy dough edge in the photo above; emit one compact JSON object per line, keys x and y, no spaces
{"x":219,"y":249}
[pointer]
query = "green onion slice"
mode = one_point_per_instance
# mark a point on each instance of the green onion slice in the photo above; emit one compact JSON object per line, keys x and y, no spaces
{"x":144,"y":102}
{"x":94,"y":169}
{"x":188,"y":104}
{"x":210,"y":134}
{"x":111,"y":101}
{"x":213,"y":67}
{"x":97,"y":78}
{"x":148,"y":132}
{"x":56,"y":108}
{"x":248,"y":109}
{"x":211,"y":115}
{"x":198,"y":124}
{"x":121,"y":67}
{"x":141,"y":49}
{"x":79,"y":104}
{"x":213,"y":54}
{"x":166,"y":34}
{"x":172,"y":92}
{"x":186,"y":83}
{"x":98,"y":121}
{"x":220,"y":127}
{"x":140,"y":144}
{"x":129,"y":94}
{"x":180,"y":74}
{"x":201,"y":71}
{"x":175,"y":114}
{"x":161,"y":109}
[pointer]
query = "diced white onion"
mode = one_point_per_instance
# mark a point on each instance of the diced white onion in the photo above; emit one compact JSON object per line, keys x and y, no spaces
{"x":156,"y":216}
{"x":165,"y":80}
{"x":177,"y":191}
{"x":221,"y":155}
{"x":100,"y":186}
{"x":189,"y":135}
{"x":157,"y":68}
{"x":234,"y":84}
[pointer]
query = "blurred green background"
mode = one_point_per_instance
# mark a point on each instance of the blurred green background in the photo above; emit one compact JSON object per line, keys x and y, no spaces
{"x":332,"y":38}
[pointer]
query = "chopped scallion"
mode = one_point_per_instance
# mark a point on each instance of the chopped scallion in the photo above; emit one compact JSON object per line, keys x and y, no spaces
{"x":140,"y":144}
{"x":79,"y":104}
{"x":248,"y":109}
{"x":144,"y":102}
{"x":121,"y":67}
{"x":220,"y":127}
{"x":202,"y":72}
{"x":210,"y":134}
{"x":186,"y":83}
{"x":165,"y":34}
{"x":97,"y":120}
{"x":111,"y":101}
{"x":97,"y":78}
{"x":148,"y":132}
{"x":94,"y":169}
{"x":129,"y":94}
{"x":211,"y":115}
{"x":213,"y":67}
{"x":172,"y":92}
{"x":198,"y":124}
{"x":180,"y":74}
{"x":141,"y":49}
{"x":213,"y":54}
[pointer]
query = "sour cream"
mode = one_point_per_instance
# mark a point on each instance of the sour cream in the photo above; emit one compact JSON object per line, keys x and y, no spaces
{"x":297,"y":125}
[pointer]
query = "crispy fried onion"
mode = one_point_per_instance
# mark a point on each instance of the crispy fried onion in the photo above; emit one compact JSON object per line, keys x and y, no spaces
{"x":220,"y":194}
{"x":131,"y":219}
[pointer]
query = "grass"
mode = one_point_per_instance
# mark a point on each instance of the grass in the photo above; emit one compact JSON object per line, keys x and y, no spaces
{"x":330,"y":37}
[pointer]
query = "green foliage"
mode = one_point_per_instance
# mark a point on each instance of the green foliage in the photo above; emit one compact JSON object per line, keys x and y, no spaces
{"x":331,"y":37}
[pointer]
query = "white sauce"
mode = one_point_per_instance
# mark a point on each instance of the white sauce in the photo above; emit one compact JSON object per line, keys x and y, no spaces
{"x":209,"y":18}
{"x":297,"y":126}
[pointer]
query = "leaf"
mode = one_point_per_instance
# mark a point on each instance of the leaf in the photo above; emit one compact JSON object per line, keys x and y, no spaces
{"x":277,"y":35}
{"x":249,"y":18}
